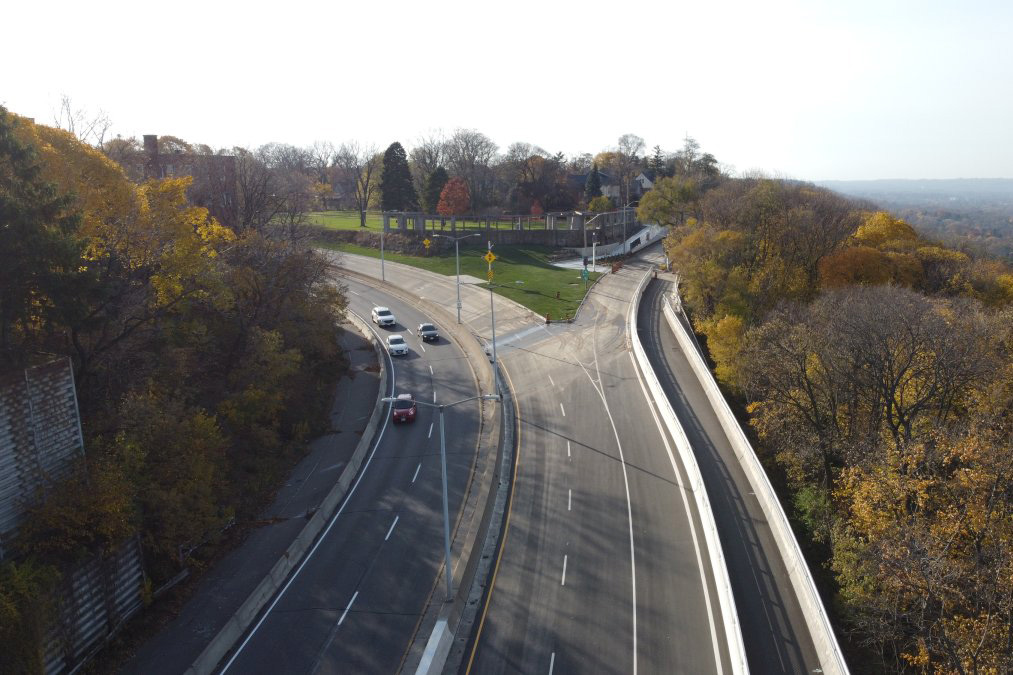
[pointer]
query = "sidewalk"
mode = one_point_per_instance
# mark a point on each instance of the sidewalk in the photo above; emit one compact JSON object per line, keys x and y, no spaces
{"x":225,"y":587}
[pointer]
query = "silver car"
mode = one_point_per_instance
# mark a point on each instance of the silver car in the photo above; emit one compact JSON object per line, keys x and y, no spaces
{"x":396,"y":346}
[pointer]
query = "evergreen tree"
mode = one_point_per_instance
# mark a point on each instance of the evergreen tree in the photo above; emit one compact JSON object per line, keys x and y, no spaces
{"x":592,"y":188}
{"x":397,"y":192}
{"x":656,"y":163}
{"x":39,"y":253}
{"x":434,"y":187}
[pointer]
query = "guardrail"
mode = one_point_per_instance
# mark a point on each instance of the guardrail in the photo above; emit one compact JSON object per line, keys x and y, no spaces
{"x":726,"y":600}
{"x":827,"y":647}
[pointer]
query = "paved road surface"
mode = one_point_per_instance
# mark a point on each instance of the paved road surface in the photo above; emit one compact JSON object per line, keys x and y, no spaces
{"x":602,"y":569}
{"x":355,"y":605}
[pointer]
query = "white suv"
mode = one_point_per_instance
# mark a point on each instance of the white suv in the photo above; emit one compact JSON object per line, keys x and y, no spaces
{"x":382,"y":316}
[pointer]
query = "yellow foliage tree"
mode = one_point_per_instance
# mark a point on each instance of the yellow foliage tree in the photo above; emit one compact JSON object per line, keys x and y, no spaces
{"x":881,"y":229}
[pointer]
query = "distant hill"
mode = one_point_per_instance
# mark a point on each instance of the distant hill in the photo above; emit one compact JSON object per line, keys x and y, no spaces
{"x":950,"y":189}
{"x":971,"y":213}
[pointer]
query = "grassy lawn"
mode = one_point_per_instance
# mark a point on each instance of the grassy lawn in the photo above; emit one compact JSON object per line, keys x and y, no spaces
{"x":349,"y":220}
{"x":522,"y":273}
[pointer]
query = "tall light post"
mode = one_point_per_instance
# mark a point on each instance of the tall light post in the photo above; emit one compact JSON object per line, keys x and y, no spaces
{"x":382,"y":276}
{"x":448,"y":571}
{"x":457,"y":257}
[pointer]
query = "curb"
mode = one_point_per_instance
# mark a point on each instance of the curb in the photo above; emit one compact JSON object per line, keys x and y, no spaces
{"x":719,"y":569}
{"x":236,"y":627}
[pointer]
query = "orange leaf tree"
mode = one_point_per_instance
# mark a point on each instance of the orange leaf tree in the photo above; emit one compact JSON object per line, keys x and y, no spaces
{"x":455,"y":200}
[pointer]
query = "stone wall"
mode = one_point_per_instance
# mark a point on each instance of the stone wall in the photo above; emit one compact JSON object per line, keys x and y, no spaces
{"x":40,"y":436}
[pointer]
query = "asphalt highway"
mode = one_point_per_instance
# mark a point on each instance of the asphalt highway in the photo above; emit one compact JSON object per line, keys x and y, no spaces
{"x":603,"y":567}
{"x":355,"y":603}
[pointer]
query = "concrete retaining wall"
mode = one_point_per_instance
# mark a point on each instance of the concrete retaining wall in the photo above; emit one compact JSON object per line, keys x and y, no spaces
{"x":726,"y":600}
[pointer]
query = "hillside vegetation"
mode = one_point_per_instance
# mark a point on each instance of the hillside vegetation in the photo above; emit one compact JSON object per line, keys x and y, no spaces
{"x":876,"y":369}
{"x":203,"y":357}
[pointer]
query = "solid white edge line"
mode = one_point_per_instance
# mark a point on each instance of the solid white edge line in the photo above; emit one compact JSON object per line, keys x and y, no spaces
{"x":391,"y":528}
{"x":629,"y":502}
{"x":563,"y":582}
{"x":417,"y":469}
{"x":350,"y":603}
{"x":334,"y":518}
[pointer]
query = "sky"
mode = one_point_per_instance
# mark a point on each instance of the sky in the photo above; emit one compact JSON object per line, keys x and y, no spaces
{"x":813,"y":90}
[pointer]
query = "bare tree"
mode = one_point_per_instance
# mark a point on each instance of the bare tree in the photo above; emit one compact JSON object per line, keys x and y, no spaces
{"x":469,"y":155}
{"x":88,"y":127}
{"x":322,"y":157}
{"x":360,"y":174}
{"x":429,"y":153}
{"x":628,"y":161}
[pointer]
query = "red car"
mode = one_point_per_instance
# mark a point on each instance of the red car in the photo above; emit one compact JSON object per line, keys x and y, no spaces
{"x":404,"y":408}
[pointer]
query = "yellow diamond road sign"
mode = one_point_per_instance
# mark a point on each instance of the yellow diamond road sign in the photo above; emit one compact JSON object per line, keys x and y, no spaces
{"x":489,"y":257}
{"x":426,"y":243}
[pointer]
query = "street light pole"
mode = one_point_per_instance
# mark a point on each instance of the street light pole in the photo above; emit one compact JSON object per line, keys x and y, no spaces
{"x":457,"y":258}
{"x":448,"y":569}
{"x":382,"y":276}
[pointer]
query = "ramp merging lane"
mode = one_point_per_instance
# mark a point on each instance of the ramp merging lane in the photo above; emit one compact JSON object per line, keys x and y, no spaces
{"x":774,"y":630}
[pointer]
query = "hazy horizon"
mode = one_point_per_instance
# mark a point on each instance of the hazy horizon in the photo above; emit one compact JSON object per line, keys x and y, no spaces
{"x":811,"y":90}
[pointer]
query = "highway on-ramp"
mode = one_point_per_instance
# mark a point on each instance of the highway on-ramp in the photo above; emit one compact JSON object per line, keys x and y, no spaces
{"x":603,"y":567}
{"x":354,"y":604}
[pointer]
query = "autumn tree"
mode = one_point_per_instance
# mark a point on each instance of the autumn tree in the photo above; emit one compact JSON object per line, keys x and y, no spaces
{"x":39,"y":250}
{"x":669,"y":201}
{"x":454,"y":200}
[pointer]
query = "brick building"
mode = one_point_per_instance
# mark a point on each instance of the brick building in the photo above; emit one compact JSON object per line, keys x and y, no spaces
{"x":214,"y":177}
